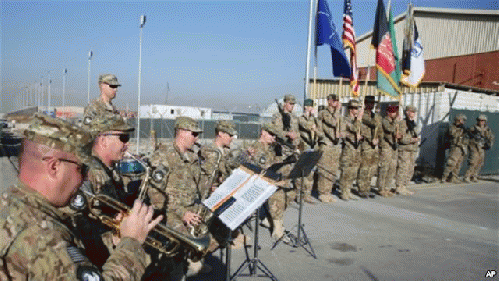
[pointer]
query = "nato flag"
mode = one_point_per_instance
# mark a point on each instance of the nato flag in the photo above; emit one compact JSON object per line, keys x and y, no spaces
{"x":326,"y":34}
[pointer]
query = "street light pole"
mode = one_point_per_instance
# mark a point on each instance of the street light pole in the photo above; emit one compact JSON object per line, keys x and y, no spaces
{"x":49,"y":96}
{"x":142,"y":23}
{"x":64,"y":88}
{"x":88,"y":84}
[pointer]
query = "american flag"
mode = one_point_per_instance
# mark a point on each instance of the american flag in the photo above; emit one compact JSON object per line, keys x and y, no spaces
{"x":349,"y":42}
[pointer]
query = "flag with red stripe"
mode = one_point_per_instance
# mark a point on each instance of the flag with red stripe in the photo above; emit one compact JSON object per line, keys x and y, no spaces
{"x":349,"y":42}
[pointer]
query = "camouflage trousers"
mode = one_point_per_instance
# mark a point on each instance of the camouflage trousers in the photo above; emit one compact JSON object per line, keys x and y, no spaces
{"x":387,"y":169}
{"x":475,"y":161}
{"x":350,"y":164}
{"x":328,"y":168}
{"x":369,"y":159}
{"x":405,"y":167}
{"x":279,"y":201}
{"x":453,"y":165}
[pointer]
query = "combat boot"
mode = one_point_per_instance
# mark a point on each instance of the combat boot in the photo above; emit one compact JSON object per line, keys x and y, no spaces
{"x":455,"y":180}
{"x":265,"y":222}
{"x":385,"y":193}
{"x":474,"y":179}
{"x":198,"y":267}
{"x":403,"y":191}
{"x":309,"y":199}
{"x":467,"y":180}
{"x":278,"y":230}
{"x":327,"y":198}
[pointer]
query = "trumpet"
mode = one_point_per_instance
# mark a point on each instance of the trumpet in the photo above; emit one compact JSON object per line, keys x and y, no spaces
{"x":162,"y":237}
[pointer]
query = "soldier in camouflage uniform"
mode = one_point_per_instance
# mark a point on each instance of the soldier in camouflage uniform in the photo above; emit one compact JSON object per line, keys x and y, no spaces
{"x":407,"y":151}
{"x":389,"y":146}
{"x":329,"y":121}
{"x":108,"y":85}
{"x":35,"y":244}
{"x":350,"y":156}
{"x":309,"y":135}
{"x":481,"y":139}
{"x":369,"y":149}
{"x":287,"y":123}
{"x":458,"y":135}
{"x":262,"y":153}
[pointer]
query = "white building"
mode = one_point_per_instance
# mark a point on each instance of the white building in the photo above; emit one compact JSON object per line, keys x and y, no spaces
{"x":158,"y":111}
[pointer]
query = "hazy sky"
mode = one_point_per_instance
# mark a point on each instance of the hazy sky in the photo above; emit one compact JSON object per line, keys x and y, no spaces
{"x":229,"y":55}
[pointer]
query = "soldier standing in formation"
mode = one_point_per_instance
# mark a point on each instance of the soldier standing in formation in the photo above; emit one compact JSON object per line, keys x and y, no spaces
{"x":286,"y":122}
{"x":108,"y":85}
{"x":329,"y":121}
{"x":52,"y":166}
{"x":369,"y":151}
{"x":389,"y":150}
{"x":481,"y":139}
{"x":458,"y":148}
{"x":350,"y":156}
{"x":407,"y":150}
{"x":309,"y":134}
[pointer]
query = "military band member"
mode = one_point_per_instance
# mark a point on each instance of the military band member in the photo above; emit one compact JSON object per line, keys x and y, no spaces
{"x":369,"y":147}
{"x":459,"y":139}
{"x":329,"y":121}
{"x":35,"y":244}
{"x":481,"y":139}
{"x":309,"y":135}
{"x":350,"y":156}
{"x":407,"y":150}
{"x":389,"y":148}
{"x":108,"y":86}
{"x":287,"y":123}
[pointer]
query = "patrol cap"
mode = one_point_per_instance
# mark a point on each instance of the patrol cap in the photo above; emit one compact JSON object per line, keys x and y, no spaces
{"x":59,"y":134}
{"x":308,"y":102}
{"x":332,"y":97}
{"x":354,"y":104}
{"x":370,"y":99}
{"x":106,"y":123}
{"x":272,"y":129}
{"x":461,"y":116}
{"x":109,"y":79}
{"x":226,"y":126}
{"x":187,"y":123}
{"x":290,"y":99}
{"x":392,"y":108}
{"x":411,"y":108}
{"x":482,"y":117}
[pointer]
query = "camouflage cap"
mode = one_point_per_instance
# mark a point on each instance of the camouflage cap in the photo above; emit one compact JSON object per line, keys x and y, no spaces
{"x":461,"y":116}
{"x":482,"y":117}
{"x":272,"y":129}
{"x":109,"y":79}
{"x":59,"y":134}
{"x":290,"y":99}
{"x":411,"y":108}
{"x":226,"y":126}
{"x":354,"y":103}
{"x":187,"y":123}
{"x":332,"y":97}
{"x":106,"y":123}
{"x":308,"y":102}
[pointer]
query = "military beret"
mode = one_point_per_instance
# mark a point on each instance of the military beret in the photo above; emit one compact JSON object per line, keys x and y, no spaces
{"x":289,"y":98}
{"x":106,"y":123}
{"x":226,"y":126}
{"x":187,"y":123}
{"x":354,"y":103}
{"x":308,"y":102}
{"x":482,"y":117}
{"x":272,"y":129}
{"x":59,"y":134}
{"x":370,"y":99}
{"x":109,"y":79}
{"x":461,"y":116}
{"x":392,"y":108}
{"x":411,"y":108}
{"x":332,"y":97}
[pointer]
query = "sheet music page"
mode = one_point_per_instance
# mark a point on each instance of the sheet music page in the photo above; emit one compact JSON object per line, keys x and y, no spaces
{"x":237,"y":177}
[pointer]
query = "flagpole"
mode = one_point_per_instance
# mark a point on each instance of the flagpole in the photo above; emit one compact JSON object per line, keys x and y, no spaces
{"x":309,"y":48}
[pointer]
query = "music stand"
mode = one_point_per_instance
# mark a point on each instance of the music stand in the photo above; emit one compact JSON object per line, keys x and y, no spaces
{"x":303,"y":167}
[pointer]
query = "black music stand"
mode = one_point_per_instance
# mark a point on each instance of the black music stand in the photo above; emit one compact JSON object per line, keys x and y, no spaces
{"x":254,"y":264}
{"x":303,"y":167}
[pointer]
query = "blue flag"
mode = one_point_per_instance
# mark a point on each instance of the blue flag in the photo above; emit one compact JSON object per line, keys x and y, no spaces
{"x":326,"y":34}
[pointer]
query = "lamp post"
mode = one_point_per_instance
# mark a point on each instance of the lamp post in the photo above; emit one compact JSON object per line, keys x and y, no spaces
{"x":142,"y":23}
{"x":49,"y":96}
{"x":88,"y":83}
{"x":64,"y":88}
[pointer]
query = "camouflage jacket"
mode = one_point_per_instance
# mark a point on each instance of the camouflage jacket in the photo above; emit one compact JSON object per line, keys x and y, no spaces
{"x":458,"y":137}
{"x":98,"y":108}
{"x":390,"y":128}
{"x":278,"y":120}
{"x":482,"y":138}
{"x":308,"y":135}
{"x":349,"y":128}
{"x":370,"y":128}
{"x":36,"y":245}
{"x":329,"y":121}
{"x":408,"y":132}
{"x":216,"y":162}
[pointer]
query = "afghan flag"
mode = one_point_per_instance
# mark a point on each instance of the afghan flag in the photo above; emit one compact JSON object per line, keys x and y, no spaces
{"x":387,"y":61}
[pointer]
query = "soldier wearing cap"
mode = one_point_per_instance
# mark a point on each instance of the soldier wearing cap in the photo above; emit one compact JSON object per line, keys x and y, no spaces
{"x":329,"y":123}
{"x":350,"y":156}
{"x":407,"y":150}
{"x":108,"y":85}
{"x":369,"y":147}
{"x":458,"y":138}
{"x":481,"y":139}
{"x":389,"y":147}
{"x":287,"y":122}
{"x":35,"y":244}
{"x":309,"y":135}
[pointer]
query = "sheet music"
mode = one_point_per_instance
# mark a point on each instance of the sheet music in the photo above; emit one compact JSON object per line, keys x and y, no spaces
{"x":237,"y":177}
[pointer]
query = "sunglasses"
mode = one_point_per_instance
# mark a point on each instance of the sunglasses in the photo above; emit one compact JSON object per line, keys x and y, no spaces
{"x":83,"y":168}
{"x":124,"y":138}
